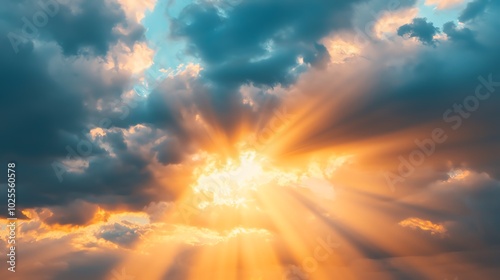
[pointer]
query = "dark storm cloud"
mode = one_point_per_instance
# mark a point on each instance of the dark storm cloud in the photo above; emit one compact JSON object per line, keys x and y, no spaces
{"x":169,"y":151}
{"x":92,"y":27}
{"x":120,"y":181}
{"x":78,"y":27}
{"x":49,"y":103}
{"x":259,"y":41}
{"x":76,"y":213}
{"x":464,"y":35}
{"x":48,"y":109}
{"x":473,"y":9}
{"x":123,"y":176}
{"x":44,"y":114}
{"x":116,"y":140}
{"x":421,"y":29}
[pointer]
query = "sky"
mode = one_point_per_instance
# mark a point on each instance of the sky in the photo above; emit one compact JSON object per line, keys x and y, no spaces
{"x":251,"y":139}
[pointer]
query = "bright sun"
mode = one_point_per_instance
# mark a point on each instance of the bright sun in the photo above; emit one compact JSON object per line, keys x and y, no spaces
{"x":234,"y":181}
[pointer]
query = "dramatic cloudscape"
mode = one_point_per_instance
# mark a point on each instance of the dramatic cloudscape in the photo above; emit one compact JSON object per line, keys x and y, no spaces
{"x":250,"y":139}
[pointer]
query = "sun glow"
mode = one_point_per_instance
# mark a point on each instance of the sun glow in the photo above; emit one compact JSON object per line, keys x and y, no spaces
{"x":236,"y":181}
{"x":231,"y":183}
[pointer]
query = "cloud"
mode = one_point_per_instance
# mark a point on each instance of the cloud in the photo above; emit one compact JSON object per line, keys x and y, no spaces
{"x":94,"y":22}
{"x":420,"y":29}
{"x":135,"y":59}
{"x":464,"y":35}
{"x":123,"y":234}
{"x":238,"y":49}
{"x":77,"y":213}
{"x":58,"y":87}
{"x":79,"y":27}
{"x":416,"y":223}
{"x":473,"y":9}
{"x":136,"y":10}
{"x":465,"y":206}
